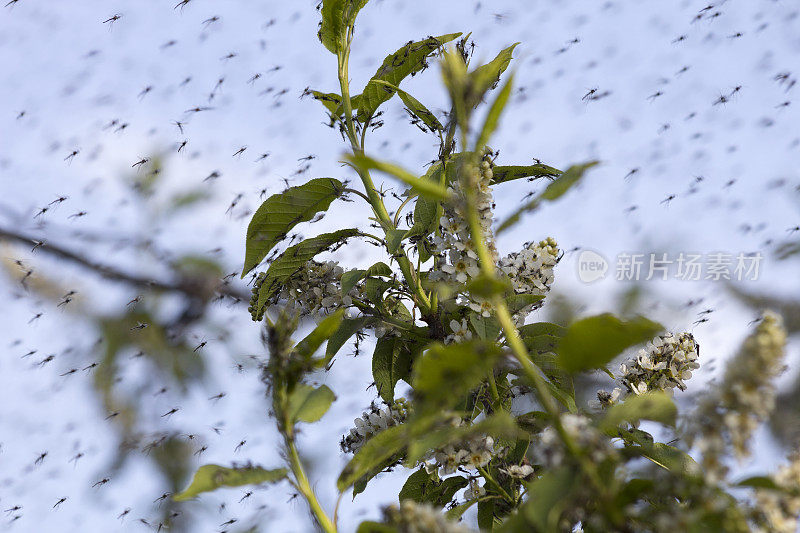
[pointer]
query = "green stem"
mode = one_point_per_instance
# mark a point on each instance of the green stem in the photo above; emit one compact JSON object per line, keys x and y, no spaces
{"x":490,"y":479}
{"x":493,"y":388}
{"x":301,"y":481}
{"x":375,"y":200}
{"x":531,"y":370}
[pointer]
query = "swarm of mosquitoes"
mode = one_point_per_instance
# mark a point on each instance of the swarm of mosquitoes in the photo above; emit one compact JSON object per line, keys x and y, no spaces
{"x":69,"y":240}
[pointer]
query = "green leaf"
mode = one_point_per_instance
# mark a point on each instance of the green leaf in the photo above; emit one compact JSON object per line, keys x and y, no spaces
{"x":415,"y":107}
{"x":486,"y":515}
{"x":294,"y":258}
{"x":423,"y":187}
{"x":212,"y":477}
{"x":379,"y":269}
{"x":283,"y":211}
{"x":541,"y":344}
{"x":446,"y":373}
{"x":427,"y":212}
{"x":391,"y":362}
{"x":493,"y":116}
{"x":555,"y":190}
{"x":487,"y":329}
{"x":337,"y":16}
{"x":487,"y":76}
{"x":422,"y":487}
{"x":665,"y":456}
{"x":417,"y":485}
{"x":351,"y":278}
{"x":375,"y":527}
{"x":456,"y":512}
{"x":499,"y":425}
{"x":656,"y":406}
{"x":760,"y":482}
{"x":375,"y":452}
{"x":446,"y":490}
{"x":549,"y":498}
{"x":542,"y":328}
{"x":309,"y":404}
{"x":502,"y":174}
{"x":593,"y":342}
{"x":517,"y":302}
{"x":394,"y":237}
{"x":408,"y":60}
{"x":320,"y":334}
{"x":331,"y":101}
{"x":489,"y":286}
{"x":346,"y":329}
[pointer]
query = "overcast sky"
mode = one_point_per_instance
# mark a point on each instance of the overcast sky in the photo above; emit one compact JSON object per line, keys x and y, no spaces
{"x":695,"y":128}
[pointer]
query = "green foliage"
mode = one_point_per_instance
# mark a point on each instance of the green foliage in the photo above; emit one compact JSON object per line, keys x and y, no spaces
{"x":338,"y":16}
{"x":593,"y":342}
{"x":347,"y":328}
{"x":415,"y":107}
{"x":293,"y":259}
{"x":554,"y":468}
{"x":408,"y":60}
{"x":420,"y":186}
{"x":379,"y":450}
{"x":391,"y":362}
{"x":657,"y":406}
{"x":493,"y":116}
{"x":309,"y":404}
{"x":487,"y":76}
{"x":311,"y":343}
{"x":427,"y":211}
{"x":436,"y":430}
{"x":445,"y":373}
{"x":503,"y":174}
{"x":423,"y":487}
{"x":212,"y":477}
{"x":281,"y":212}
{"x":555,"y":190}
{"x":549,"y":497}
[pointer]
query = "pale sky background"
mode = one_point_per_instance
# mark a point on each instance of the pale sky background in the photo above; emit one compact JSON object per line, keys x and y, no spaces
{"x":71,"y":75}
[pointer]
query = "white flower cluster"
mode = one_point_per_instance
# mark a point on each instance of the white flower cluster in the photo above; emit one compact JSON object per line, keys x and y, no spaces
{"x":744,"y":398}
{"x":549,"y":451}
{"x":665,"y":363}
{"x":373,"y":422}
{"x":531,"y":271}
{"x":314,"y":289}
{"x":778,"y":510}
{"x":412,"y":517}
{"x":472,"y":454}
{"x":458,"y":259}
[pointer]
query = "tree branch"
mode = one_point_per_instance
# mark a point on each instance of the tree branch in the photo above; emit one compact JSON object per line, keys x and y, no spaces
{"x":186,"y":286}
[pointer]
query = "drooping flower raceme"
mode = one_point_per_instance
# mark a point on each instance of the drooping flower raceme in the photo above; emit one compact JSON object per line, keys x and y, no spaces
{"x":665,"y":363}
{"x":373,"y":422}
{"x":453,"y":245}
{"x":744,"y":399}
{"x":412,"y":517}
{"x":777,"y":511}
{"x":314,"y":289}
{"x":531,"y":271}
